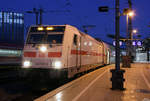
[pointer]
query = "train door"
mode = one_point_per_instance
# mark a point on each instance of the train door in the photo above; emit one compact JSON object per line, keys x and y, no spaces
{"x":76,"y":49}
{"x":103,"y":53}
{"x":108,"y":57}
{"x":77,"y":41}
{"x":80,"y":55}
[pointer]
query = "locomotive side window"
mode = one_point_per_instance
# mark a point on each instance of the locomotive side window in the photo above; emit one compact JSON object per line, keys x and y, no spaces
{"x":75,"y":40}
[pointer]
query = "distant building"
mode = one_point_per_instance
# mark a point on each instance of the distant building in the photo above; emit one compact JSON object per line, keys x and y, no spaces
{"x":11,"y":35}
{"x":11,"y":29}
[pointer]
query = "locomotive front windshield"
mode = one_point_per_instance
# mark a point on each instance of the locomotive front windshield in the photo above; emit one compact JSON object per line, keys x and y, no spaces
{"x":55,"y":39}
{"x":35,"y":38}
{"x":41,"y":38}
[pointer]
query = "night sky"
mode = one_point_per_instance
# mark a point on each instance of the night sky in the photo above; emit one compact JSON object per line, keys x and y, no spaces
{"x":84,"y":12}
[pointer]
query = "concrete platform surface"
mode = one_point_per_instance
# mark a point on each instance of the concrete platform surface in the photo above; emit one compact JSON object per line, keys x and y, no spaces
{"x":95,"y":86}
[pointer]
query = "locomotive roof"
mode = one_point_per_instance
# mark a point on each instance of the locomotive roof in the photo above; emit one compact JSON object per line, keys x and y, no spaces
{"x":82,"y":33}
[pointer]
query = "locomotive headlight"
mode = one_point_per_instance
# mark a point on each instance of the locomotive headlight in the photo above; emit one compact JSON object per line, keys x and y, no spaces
{"x":40,"y":28}
{"x":43,"y":48}
{"x":57,"y":64}
{"x":50,"y":28}
{"x":26,"y":64}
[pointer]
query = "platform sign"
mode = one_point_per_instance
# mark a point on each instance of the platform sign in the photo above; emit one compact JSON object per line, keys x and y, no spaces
{"x":120,"y":43}
{"x":103,"y":9}
{"x":139,"y":43}
{"x":136,"y":43}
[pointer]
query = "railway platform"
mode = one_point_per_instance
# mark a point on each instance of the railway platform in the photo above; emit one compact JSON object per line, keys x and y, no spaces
{"x":95,"y":86}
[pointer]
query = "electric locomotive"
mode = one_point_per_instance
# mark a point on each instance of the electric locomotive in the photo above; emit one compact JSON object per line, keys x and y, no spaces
{"x":61,"y":51}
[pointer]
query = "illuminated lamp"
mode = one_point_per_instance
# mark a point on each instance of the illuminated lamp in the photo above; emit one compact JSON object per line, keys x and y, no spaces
{"x":57,"y":64}
{"x":26,"y":64}
{"x":43,"y":48}
{"x":139,"y":43}
{"x":40,"y":28}
{"x":134,"y":43}
{"x":50,"y":28}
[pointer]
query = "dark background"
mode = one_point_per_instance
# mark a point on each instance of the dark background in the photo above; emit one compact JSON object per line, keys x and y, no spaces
{"x":84,"y":12}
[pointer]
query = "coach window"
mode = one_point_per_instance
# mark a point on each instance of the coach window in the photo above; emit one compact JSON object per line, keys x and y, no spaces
{"x":75,"y":40}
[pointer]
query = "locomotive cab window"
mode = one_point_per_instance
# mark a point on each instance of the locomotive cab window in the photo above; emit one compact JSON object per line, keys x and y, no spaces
{"x":35,"y":38}
{"x":40,"y":39}
{"x":75,"y":40}
{"x":55,"y":38}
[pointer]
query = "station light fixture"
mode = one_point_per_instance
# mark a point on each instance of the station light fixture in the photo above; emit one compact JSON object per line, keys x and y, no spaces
{"x":134,"y":31}
{"x":131,"y":13}
{"x":128,"y":12}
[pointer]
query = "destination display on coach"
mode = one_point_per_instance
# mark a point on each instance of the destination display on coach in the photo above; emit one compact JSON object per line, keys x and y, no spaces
{"x":44,"y":28}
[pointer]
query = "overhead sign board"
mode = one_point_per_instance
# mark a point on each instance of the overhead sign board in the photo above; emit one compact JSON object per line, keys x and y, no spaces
{"x":103,"y":9}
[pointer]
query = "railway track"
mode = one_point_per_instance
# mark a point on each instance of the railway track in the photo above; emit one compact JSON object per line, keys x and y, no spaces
{"x":15,"y":86}
{"x":9,"y":74}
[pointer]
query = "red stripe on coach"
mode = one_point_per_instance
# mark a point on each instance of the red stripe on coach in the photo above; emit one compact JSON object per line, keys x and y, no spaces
{"x":54,"y":54}
{"x":74,"y":51}
{"x":78,"y":52}
{"x":29,"y":54}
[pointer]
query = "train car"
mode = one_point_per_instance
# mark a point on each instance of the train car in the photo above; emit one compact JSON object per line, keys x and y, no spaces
{"x":61,"y":51}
